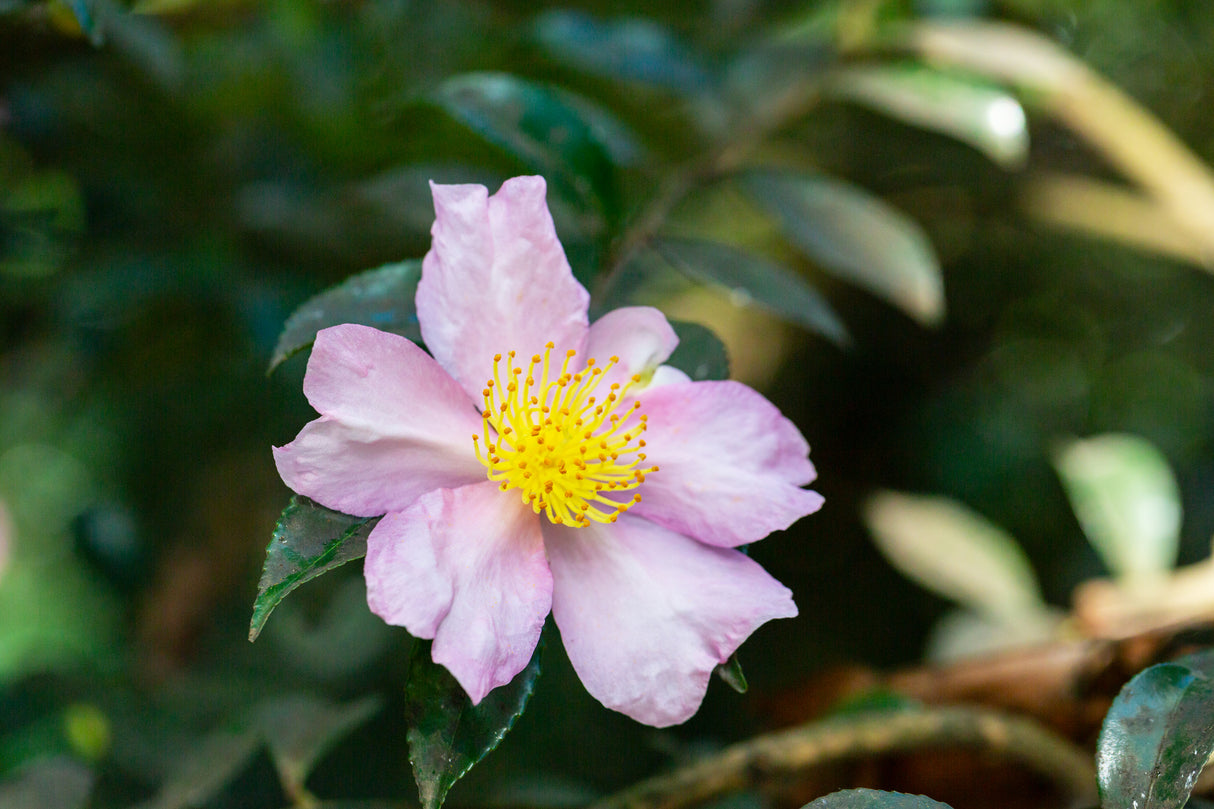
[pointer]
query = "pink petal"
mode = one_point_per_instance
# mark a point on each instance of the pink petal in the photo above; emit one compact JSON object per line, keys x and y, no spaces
{"x":496,"y":280}
{"x":394,"y":425}
{"x":465,"y":567}
{"x":730,"y":465}
{"x":361,"y":472}
{"x":639,"y":335}
{"x":646,"y":614}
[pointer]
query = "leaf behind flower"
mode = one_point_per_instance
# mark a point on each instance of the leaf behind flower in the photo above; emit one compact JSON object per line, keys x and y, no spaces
{"x":308,"y":540}
{"x":382,"y":298}
{"x":448,"y":735}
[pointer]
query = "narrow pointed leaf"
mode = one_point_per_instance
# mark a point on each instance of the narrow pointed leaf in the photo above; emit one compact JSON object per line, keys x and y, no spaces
{"x":873,"y":799}
{"x":856,"y":236}
{"x":448,"y":735}
{"x":959,"y":554}
{"x":1126,"y":499}
{"x":700,"y":353}
{"x":308,"y":540}
{"x":757,"y":281}
{"x":382,"y":298}
{"x":569,"y":140}
{"x":978,"y":113}
{"x":1157,"y":736}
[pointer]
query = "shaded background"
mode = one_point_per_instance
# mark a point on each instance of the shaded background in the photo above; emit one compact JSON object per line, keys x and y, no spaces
{"x":174,"y":182}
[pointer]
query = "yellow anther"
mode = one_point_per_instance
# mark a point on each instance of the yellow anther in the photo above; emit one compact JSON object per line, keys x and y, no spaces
{"x":568,"y":453}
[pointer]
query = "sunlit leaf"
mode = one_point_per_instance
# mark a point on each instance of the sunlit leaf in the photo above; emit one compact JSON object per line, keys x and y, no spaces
{"x":856,"y":236}
{"x":300,"y":729}
{"x":308,"y":540}
{"x":700,"y":353}
{"x":751,"y":279}
{"x":1157,"y":736}
{"x":50,"y":783}
{"x":978,"y":113}
{"x":448,"y":735}
{"x":632,"y":49}
{"x":1126,"y":499}
{"x":570,"y":141}
{"x":382,"y":298}
{"x":873,"y":799}
{"x":947,"y":548}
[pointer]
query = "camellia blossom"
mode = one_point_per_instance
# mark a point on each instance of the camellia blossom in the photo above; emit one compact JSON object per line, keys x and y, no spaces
{"x":534,"y":462}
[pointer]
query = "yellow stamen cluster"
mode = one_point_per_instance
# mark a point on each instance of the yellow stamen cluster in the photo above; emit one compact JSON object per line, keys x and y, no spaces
{"x":569,"y":452}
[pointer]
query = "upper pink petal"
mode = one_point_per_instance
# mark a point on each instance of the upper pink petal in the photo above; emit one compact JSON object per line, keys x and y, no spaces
{"x":731,"y":466}
{"x":394,"y":425}
{"x":640,"y":336}
{"x":465,"y":567}
{"x":496,"y":280}
{"x":646,"y":614}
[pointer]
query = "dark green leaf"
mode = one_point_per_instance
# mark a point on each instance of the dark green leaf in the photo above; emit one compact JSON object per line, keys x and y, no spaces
{"x":300,"y":729}
{"x":448,"y":735}
{"x":731,"y":672}
{"x":50,"y":783}
{"x":308,"y":540}
{"x":631,"y":49}
{"x":858,"y":237}
{"x":700,"y":353}
{"x":756,"y":280}
{"x":979,"y":113}
{"x":1157,"y":736}
{"x":382,"y":298}
{"x":873,"y":799}
{"x":570,"y":141}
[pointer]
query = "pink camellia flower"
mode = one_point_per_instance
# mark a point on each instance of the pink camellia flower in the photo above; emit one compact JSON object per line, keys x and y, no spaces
{"x":535,"y":462}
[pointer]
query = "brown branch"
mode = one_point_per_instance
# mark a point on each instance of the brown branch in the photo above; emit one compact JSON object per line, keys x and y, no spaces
{"x":789,"y":752}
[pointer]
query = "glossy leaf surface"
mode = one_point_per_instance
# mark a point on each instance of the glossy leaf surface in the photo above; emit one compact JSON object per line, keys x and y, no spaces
{"x":752,"y":279}
{"x":570,"y":141}
{"x":873,"y":799}
{"x":448,"y":735}
{"x":1157,"y":736}
{"x":308,"y":540}
{"x":978,"y":113}
{"x":858,"y":237}
{"x":382,"y":298}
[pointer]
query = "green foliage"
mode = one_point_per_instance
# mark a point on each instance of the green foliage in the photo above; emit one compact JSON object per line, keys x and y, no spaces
{"x":447,"y":734}
{"x":52,"y":783}
{"x":1157,"y":736}
{"x":857,"y":236}
{"x":755,"y":280}
{"x":553,"y":132}
{"x":308,"y":540}
{"x":1127,"y":502}
{"x":700,"y":354}
{"x":873,"y":799}
{"x":382,"y":298}
{"x":631,"y":49}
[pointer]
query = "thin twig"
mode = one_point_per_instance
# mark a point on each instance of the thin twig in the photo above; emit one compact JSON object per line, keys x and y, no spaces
{"x":788,"y":752}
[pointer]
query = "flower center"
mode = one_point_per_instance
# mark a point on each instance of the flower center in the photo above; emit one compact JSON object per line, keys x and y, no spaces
{"x":568,"y":451}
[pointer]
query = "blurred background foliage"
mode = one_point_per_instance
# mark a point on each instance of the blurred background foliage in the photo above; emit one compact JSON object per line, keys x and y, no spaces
{"x":941,"y":250}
